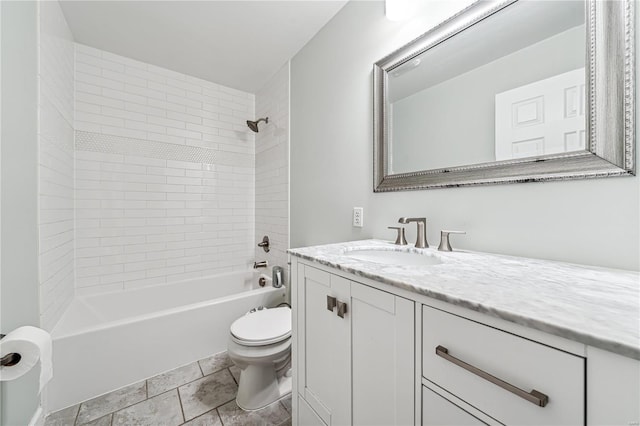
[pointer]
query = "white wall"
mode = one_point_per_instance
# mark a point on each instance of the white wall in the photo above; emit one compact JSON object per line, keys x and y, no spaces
{"x":19,"y":191}
{"x":584,"y":221}
{"x":164,"y":175}
{"x":272,"y":169}
{"x":55,"y":153}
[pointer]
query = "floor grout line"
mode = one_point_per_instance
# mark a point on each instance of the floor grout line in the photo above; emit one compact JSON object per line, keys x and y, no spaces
{"x":184,"y":418}
{"x":232,"y":376}
{"x":75,"y":419}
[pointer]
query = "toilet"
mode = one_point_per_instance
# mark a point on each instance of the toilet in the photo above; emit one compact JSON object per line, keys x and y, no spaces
{"x":260,"y":345}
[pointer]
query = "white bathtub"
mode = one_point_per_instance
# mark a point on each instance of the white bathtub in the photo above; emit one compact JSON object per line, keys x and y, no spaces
{"x":107,"y":341}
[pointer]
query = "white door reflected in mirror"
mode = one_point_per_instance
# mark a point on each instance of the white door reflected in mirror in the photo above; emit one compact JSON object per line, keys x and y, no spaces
{"x":541,"y":118}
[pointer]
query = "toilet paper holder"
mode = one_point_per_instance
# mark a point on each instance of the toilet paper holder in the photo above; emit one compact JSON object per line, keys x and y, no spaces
{"x":9,"y":360}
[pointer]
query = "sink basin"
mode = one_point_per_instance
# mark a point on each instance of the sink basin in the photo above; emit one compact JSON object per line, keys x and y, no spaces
{"x":392,"y":257}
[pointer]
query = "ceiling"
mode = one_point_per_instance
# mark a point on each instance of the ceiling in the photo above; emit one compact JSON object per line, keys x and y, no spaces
{"x":239,"y":44}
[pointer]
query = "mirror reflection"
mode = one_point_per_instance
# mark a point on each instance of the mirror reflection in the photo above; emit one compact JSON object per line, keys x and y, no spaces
{"x":509,"y":87}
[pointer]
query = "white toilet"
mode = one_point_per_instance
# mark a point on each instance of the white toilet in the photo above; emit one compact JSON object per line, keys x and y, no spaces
{"x":260,"y":345}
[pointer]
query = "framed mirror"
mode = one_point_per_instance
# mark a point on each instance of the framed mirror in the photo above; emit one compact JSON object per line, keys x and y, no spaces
{"x":509,"y":91}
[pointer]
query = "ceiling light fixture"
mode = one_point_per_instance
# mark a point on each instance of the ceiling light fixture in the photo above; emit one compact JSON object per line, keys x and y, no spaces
{"x":399,"y":10}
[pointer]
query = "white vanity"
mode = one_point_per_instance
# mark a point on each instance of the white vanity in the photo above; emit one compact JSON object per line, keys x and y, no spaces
{"x":466,"y":338}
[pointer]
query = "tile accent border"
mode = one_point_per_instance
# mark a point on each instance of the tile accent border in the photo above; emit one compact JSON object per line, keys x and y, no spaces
{"x":110,"y":144}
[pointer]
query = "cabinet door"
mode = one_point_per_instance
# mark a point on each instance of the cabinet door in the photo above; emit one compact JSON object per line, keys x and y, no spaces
{"x":383,"y":365}
{"x":324,"y":348}
{"x":306,"y":416}
{"x":439,"y":411}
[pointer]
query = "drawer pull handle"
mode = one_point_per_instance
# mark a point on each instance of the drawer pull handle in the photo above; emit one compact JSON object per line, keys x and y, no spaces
{"x":342,"y":309}
{"x":331,"y":303}
{"x":535,"y":397}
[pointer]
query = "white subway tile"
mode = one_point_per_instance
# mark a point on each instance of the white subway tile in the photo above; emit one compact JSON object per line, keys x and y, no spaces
{"x":98,"y":99}
{"x":143,"y":74}
{"x":83,"y":58}
{"x":124,"y":96}
{"x":87,"y":50}
{"x":144,"y":91}
{"x":87,"y":69}
{"x":160,"y":220}
{"x":168,"y":106}
{"x":96,"y":80}
{"x":166,"y":122}
{"x":123,"y":113}
{"x":124,"y":78}
{"x":145,"y":161}
{"x":145,"y":109}
{"x":127,"y":133}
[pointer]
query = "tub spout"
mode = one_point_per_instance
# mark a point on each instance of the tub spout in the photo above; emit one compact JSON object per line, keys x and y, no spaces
{"x":261,"y":264}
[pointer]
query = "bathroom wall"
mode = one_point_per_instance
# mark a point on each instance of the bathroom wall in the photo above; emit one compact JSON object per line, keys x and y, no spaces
{"x":583,"y":221}
{"x":55,"y":165}
{"x":164,"y":175}
{"x":272,"y":169}
{"x":19,"y":263}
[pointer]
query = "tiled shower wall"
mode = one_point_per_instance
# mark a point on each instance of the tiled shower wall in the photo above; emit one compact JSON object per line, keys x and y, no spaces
{"x":272,"y":168}
{"x":164,"y":175}
{"x":55,"y":164}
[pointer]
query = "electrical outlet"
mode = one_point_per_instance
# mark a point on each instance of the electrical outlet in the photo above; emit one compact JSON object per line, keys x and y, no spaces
{"x":358,"y":217}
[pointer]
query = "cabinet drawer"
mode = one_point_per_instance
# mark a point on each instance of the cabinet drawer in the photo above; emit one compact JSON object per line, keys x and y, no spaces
{"x":467,"y":349}
{"x":439,"y":411}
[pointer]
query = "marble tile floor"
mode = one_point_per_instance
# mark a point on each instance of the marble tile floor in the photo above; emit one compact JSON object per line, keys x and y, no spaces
{"x":198,"y":394}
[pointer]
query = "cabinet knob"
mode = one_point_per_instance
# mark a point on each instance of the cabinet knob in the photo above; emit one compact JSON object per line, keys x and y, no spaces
{"x":331,"y":303}
{"x":342,"y":309}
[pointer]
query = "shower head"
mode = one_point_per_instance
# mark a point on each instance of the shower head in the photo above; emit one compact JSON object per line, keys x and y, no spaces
{"x":253,"y":125}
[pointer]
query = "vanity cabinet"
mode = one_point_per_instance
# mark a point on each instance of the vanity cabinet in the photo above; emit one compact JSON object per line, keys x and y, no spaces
{"x":369,"y":353}
{"x":355,"y":352}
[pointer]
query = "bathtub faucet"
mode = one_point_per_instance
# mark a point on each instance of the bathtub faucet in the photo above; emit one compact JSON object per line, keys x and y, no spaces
{"x":262,"y":264}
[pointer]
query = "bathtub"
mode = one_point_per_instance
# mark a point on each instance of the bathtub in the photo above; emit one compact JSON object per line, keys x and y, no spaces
{"x":106,"y":341}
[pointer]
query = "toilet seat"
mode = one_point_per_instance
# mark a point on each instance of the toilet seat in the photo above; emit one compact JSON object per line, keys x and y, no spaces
{"x":261,"y":328}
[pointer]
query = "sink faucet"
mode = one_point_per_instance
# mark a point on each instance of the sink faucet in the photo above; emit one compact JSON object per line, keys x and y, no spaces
{"x":421,"y":222}
{"x":261,"y":264}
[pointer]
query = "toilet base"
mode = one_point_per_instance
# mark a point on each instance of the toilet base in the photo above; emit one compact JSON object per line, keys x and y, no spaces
{"x":260,"y":387}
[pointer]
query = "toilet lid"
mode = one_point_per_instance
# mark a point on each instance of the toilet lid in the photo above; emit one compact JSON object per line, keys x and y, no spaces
{"x":263,"y":327}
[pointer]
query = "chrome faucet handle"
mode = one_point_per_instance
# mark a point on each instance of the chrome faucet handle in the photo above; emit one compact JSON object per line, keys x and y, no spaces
{"x":400,"y":239}
{"x":444,"y":240}
{"x":421,"y":222}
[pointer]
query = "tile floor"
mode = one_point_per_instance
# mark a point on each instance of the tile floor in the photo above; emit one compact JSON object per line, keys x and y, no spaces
{"x":198,"y":394}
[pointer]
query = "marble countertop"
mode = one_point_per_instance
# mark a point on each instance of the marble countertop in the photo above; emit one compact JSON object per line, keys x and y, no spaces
{"x":595,"y":306}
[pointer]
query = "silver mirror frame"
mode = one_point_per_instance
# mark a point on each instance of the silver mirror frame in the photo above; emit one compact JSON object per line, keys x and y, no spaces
{"x":610,"y":69}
